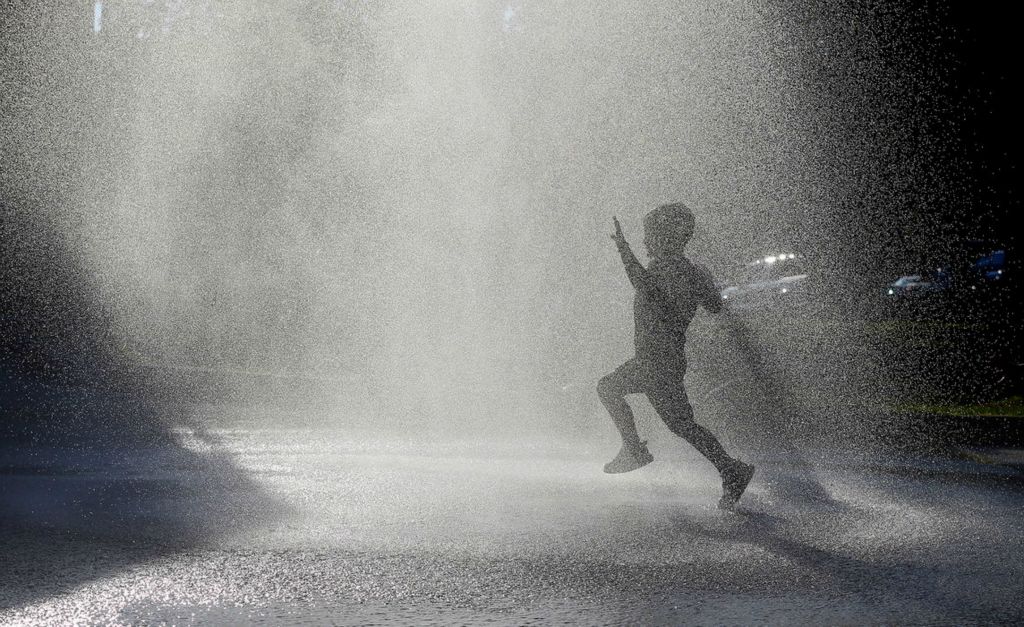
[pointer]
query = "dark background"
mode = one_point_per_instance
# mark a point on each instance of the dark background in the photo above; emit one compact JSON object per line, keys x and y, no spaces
{"x":968,"y":76}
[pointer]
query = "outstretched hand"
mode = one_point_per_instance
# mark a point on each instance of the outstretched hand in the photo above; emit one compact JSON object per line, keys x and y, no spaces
{"x":618,"y":237}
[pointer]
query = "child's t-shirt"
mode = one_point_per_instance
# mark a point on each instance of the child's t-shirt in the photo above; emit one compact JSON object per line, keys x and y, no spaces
{"x":660,"y":327}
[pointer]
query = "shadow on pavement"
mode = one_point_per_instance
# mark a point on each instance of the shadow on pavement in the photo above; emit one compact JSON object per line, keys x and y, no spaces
{"x":94,"y":482}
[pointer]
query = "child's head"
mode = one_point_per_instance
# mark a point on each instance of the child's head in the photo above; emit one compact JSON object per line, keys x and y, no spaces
{"x":668,"y":229}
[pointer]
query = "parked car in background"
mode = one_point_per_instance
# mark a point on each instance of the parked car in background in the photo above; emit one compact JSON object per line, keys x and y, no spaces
{"x":975,"y":267}
{"x":770,"y":281}
{"x":991,"y":266}
{"x":918,"y":285}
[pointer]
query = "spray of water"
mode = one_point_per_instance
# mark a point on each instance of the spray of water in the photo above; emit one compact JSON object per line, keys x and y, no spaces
{"x":412,"y":202}
{"x":408,"y":205}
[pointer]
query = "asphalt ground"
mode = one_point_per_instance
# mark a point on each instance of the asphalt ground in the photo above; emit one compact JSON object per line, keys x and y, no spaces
{"x":304,"y":526}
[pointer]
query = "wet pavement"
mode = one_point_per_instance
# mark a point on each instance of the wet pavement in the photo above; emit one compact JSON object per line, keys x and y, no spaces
{"x":327,"y":527}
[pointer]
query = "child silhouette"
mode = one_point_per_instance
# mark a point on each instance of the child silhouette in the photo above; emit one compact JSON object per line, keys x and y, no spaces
{"x":668,"y":293}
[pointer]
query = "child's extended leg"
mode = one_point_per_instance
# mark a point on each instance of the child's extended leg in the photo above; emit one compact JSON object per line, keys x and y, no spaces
{"x":612,"y":389}
{"x":672,"y":404}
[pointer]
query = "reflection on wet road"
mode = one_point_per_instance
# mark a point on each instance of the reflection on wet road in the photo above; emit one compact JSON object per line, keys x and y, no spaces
{"x":328,"y":526}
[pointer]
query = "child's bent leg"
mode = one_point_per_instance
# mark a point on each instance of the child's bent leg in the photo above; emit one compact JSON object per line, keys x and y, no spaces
{"x":612,"y":390}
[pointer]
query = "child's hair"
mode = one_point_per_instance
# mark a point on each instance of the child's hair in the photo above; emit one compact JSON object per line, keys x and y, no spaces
{"x":673,"y":222}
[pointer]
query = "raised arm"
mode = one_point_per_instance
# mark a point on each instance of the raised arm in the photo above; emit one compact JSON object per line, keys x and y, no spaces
{"x":636,"y":272}
{"x":644,"y":281}
{"x":670,"y":297}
